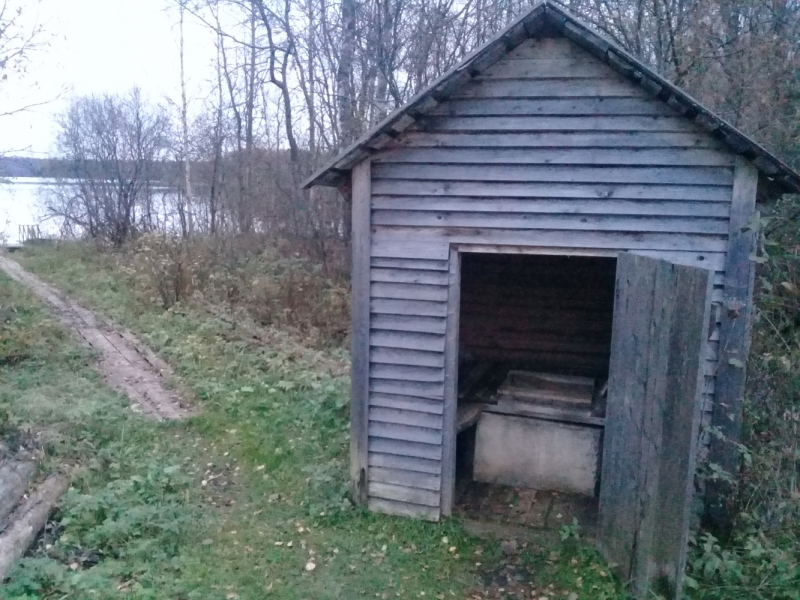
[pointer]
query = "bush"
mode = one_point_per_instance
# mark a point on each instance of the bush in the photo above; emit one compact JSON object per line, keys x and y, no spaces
{"x":268,"y":279}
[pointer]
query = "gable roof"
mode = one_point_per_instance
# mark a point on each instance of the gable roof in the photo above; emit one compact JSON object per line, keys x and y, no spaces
{"x":780,"y":177}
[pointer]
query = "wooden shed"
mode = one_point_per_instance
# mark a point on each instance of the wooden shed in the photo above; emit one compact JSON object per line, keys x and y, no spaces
{"x":553,"y":209}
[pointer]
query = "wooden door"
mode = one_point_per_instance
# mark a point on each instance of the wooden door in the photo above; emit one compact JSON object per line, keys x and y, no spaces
{"x":661,"y":316}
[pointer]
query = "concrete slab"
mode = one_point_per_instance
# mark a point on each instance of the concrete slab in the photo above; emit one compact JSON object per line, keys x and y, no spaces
{"x":537,"y":454}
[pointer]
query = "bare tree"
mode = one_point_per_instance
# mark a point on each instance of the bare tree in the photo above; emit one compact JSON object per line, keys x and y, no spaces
{"x":114,"y":147}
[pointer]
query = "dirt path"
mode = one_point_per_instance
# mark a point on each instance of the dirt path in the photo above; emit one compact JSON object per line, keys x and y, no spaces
{"x":127,"y":365}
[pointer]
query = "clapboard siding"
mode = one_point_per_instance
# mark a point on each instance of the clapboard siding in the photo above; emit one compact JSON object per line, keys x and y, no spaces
{"x":466,"y":204}
{"x":404,"y":356}
{"x":401,"y":402}
{"x":407,"y":463}
{"x":411,"y":479}
{"x":510,"y":220}
{"x":546,"y":152}
{"x":616,"y":240}
{"x":627,"y":146}
{"x":601,"y":191}
{"x":549,"y":173}
{"x":572,"y":107}
{"x":491,"y":149}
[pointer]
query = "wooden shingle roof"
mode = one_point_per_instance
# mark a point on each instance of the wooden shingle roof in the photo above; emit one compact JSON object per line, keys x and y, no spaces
{"x":779,"y":177}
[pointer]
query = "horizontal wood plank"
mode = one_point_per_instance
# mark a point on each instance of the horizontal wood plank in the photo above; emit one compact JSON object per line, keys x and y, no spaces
{"x":405,"y":448}
{"x":586,"y":239}
{"x":407,"y":340}
{"x":408,"y":479}
{"x":405,"y":417}
{"x":549,"y":88}
{"x":431,"y":391}
{"x":527,"y":221}
{"x":409,"y":263}
{"x":409,"y":291}
{"x":626,"y":140}
{"x":567,"y":107}
{"x":548,"y":68}
{"x":408,"y":307}
{"x":557,"y":174}
{"x":406,"y":373}
{"x":403,"y":494}
{"x":523,"y":149}
{"x":403,"y":356}
{"x":422,"y":276}
{"x":419,"y":324}
{"x":406,"y":463}
{"x":410,"y":187}
{"x":433,"y":407}
{"x":403,"y":509}
{"x":407,"y":249}
{"x":536,"y":123}
{"x":634,"y":208}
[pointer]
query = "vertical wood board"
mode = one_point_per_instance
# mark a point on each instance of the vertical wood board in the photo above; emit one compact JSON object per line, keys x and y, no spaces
{"x":734,"y":336}
{"x":359,"y":373}
{"x":661,"y":322}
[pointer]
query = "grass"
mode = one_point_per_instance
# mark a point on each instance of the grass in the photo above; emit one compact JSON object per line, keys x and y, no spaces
{"x":238,"y":502}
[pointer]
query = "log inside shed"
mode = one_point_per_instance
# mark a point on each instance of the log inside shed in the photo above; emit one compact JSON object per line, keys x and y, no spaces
{"x":522,"y":317}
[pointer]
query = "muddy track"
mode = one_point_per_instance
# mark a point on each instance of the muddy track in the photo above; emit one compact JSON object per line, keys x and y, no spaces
{"x":127,"y":365}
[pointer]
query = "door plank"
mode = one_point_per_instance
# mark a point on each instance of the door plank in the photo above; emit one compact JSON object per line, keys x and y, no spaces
{"x":661,"y":318}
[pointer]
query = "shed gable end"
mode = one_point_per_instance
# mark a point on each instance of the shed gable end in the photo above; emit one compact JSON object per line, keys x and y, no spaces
{"x":549,"y":151}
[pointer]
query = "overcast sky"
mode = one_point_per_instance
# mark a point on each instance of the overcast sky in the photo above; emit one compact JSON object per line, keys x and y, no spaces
{"x":99,"y":46}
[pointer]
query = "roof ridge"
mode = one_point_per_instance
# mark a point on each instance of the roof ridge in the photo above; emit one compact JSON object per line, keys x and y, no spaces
{"x":541,"y":14}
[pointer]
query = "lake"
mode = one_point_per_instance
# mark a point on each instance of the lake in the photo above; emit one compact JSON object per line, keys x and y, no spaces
{"x":20,"y":205}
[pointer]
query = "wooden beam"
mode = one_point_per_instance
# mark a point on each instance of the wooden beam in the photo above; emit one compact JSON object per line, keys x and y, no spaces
{"x":737,"y":310}
{"x":451,"y":384}
{"x":359,"y":372}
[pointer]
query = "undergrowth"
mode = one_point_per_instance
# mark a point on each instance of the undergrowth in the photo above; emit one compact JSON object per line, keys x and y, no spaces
{"x":245,"y":501}
{"x":761,"y":560}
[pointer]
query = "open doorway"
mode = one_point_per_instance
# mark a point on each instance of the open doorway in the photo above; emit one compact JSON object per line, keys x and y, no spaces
{"x":533,"y":361}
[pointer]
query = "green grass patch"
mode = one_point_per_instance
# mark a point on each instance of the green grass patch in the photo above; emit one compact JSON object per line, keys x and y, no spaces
{"x":246,"y":500}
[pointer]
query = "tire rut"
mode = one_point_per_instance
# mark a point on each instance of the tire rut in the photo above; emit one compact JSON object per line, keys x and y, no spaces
{"x":127,"y":365}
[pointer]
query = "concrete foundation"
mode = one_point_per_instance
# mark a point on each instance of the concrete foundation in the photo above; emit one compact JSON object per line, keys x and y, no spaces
{"x":535,"y":453}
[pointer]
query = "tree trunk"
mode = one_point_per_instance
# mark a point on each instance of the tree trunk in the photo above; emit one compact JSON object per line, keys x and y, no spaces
{"x":14,"y":477}
{"x":29,"y":520}
{"x":344,"y":74}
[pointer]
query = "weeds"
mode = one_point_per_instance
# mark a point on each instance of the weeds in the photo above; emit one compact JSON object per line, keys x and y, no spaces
{"x":239,"y":501}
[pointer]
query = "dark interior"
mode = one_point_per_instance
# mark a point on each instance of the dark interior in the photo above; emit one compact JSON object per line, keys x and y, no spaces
{"x":552,"y":313}
{"x":529,"y":313}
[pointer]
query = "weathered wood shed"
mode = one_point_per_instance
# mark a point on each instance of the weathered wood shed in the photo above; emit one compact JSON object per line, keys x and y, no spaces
{"x":513,"y":213}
